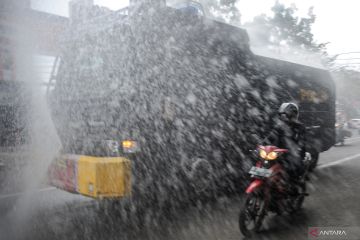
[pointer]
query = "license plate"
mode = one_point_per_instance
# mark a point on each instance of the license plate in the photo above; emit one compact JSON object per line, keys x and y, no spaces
{"x":261,"y":172}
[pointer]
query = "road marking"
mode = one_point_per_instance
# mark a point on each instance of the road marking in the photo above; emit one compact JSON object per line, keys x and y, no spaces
{"x":11,"y":195}
{"x":339,"y":161}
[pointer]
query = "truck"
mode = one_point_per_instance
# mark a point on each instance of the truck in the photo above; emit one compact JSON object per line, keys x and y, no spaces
{"x":182,"y":97}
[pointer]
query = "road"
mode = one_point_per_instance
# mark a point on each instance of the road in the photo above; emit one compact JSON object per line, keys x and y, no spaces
{"x":334,"y":201}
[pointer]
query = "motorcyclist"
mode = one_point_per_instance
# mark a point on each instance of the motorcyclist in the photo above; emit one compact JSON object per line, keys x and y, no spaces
{"x":289,"y":133}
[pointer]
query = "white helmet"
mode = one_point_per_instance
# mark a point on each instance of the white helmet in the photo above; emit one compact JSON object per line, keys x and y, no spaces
{"x":289,"y":112}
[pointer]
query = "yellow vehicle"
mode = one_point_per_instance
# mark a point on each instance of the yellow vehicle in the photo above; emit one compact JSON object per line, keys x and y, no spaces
{"x":97,"y":177}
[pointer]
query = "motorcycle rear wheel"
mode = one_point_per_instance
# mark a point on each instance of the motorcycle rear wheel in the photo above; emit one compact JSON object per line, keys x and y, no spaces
{"x":314,"y":161}
{"x":251,"y":215}
{"x":298,"y":201}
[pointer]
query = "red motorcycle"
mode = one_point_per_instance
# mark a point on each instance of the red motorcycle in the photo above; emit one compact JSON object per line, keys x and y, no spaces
{"x":270,"y":190}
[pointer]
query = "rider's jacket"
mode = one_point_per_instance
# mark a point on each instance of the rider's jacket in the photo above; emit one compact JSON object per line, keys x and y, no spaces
{"x":289,"y":135}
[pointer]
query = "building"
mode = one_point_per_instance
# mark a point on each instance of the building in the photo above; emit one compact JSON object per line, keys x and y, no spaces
{"x":19,"y":26}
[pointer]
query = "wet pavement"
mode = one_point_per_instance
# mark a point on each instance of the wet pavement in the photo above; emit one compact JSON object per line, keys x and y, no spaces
{"x":333,"y":201}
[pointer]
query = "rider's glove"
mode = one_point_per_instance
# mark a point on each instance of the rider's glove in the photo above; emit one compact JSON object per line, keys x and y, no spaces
{"x":307,"y":156}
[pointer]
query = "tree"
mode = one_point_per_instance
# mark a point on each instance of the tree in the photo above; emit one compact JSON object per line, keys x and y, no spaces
{"x":225,"y":10}
{"x":284,"y":28}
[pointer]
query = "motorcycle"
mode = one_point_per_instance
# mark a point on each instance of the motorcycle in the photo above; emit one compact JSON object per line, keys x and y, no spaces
{"x":270,"y":190}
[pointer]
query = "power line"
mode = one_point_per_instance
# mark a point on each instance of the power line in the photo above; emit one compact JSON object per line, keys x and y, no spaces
{"x":348,"y":59}
{"x":344,"y":64}
{"x":344,"y":53}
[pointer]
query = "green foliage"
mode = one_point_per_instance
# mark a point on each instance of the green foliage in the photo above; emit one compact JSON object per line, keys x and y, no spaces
{"x":224,"y":9}
{"x":285,"y":28}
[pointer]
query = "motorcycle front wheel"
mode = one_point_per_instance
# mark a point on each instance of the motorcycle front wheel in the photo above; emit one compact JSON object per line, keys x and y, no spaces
{"x":251,"y":214}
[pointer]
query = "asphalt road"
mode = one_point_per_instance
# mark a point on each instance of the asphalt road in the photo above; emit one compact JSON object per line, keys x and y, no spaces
{"x":53,"y":214}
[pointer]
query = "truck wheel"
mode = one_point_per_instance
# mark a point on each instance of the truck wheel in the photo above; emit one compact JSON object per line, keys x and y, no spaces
{"x":201,"y":176}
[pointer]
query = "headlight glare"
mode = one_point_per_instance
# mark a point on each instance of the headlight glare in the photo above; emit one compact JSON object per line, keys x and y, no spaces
{"x":262,"y":154}
{"x":130,"y":146}
{"x":272,"y":156}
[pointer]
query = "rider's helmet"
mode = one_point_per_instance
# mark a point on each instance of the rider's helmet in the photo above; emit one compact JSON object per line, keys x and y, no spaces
{"x":289,"y":112}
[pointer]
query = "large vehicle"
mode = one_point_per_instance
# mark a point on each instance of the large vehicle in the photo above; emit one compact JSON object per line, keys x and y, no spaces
{"x":187,"y":91}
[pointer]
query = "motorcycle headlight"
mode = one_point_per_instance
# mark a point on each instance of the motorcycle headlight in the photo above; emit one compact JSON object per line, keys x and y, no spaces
{"x":262,"y":153}
{"x":130,"y":146}
{"x":272,"y":156}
